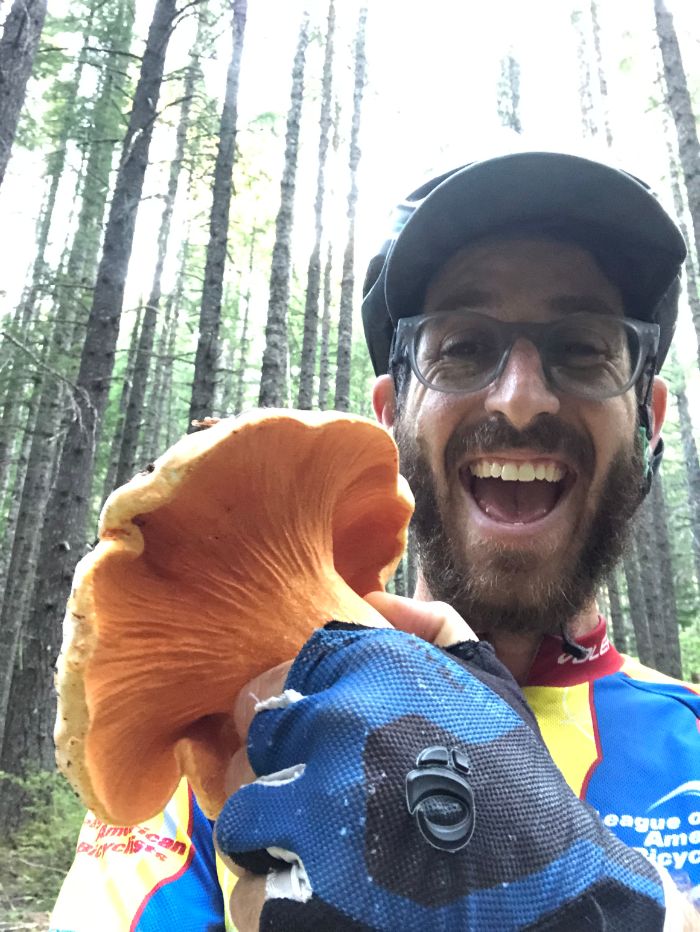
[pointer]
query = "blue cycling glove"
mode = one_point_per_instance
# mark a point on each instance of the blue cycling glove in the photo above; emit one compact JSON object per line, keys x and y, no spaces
{"x":410,"y":789}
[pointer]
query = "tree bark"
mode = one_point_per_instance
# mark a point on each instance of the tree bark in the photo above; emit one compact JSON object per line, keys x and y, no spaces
{"x":617,"y":617}
{"x":110,"y":482}
{"x":602,"y":81}
{"x":681,"y":108}
{"x":508,"y":103}
{"x":18,"y":45}
{"x":135,"y":411}
{"x":347,"y":284}
{"x":313,"y":276}
{"x":207,"y":356}
{"x":692,"y":469}
{"x":27,"y":741}
{"x":638,"y":609}
{"x":671,"y":662}
{"x":324,"y":368}
{"x":273,"y":375}
{"x":244,"y":341}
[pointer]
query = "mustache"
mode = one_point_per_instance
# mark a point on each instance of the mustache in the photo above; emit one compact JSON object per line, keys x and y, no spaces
{"x":546,"y":435}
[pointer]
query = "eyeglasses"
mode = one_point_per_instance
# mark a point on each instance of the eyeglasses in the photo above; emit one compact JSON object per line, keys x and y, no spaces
{"x":592,"y":356}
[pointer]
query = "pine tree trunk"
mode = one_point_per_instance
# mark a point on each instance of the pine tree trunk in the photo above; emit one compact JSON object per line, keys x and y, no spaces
{"x":207,"y":356}
{"x":638,"y":609}
{"x":244,"y":341}
{"x":135,"y":411}
{"x":691,"y":272}
{"x":588,"y":120}
{"x":347,"y":285}
{"x":324,"y":368}
{"x":110,"y":482}
{"x":692,"y":466}
{"x":508,"y":103}
{"x":671,"y":662}
{"x":27,"y":741}
{"x":602,"y":82}
{"x":313,"y":276}
{"x":617,"y":617}
{"x":681,"y":108}
{"x":18,"y":45}
{"x":645,"y":536}
{"x":273,"y":375}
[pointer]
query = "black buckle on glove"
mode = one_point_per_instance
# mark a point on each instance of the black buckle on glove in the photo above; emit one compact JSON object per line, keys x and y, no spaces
{"x":433,"y":789}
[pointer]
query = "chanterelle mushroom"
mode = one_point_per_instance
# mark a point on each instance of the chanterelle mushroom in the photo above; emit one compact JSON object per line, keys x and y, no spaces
{"x":213,"y":565}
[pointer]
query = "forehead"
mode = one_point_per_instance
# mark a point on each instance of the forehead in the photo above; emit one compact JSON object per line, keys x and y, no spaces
{"x":502,"y":270}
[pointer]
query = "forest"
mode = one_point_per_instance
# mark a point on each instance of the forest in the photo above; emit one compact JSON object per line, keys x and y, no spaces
{"x":190,"y":191}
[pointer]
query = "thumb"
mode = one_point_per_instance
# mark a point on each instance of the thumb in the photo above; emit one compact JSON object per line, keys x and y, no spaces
{"x":436,"y":622}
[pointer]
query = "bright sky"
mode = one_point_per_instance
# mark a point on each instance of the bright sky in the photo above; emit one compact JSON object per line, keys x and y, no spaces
{"x":429,"y":105}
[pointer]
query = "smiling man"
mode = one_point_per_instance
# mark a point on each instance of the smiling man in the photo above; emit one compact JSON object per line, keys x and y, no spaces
{"x":516,"y":318}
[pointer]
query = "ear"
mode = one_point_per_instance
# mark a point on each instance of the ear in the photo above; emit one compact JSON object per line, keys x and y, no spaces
{"x":659,"y":401}
{"x":384,"y":400}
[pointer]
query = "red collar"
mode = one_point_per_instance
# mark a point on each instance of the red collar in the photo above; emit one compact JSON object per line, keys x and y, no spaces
{"x":554,"y":666}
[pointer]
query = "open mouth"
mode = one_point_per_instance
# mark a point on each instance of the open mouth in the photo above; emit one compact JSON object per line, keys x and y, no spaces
{"x":516,"y":491}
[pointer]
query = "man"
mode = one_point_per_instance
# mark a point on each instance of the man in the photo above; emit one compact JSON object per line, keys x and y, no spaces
{"x":521,"y":310}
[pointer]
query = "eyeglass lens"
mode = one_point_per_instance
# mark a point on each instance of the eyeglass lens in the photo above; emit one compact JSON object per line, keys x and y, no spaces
{"x":590,"y":355}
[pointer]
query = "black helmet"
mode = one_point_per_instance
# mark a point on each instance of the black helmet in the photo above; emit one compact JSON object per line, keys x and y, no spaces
{"x":609,"y":212}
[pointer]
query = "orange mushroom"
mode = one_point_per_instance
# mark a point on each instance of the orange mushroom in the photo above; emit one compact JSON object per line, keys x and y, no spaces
{"x":214,"y":564}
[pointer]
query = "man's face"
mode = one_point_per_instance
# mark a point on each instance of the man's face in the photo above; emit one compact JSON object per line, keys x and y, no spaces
{"x":519,"y":553}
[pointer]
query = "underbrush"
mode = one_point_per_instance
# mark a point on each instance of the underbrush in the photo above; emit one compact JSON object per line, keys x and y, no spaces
{"x":35,"y":859}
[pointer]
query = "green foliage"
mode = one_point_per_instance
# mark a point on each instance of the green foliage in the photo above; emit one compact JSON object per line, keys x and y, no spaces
{"x":34,"y":862}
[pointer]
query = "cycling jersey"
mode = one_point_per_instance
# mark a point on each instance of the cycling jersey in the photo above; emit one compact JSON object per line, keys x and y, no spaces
{"x":626,"y":738}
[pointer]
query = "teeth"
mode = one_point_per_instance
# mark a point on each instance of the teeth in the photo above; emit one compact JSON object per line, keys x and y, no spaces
{"x":517,"y":472}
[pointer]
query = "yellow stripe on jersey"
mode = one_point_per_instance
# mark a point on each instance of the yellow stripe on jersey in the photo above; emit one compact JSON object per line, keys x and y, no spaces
{"x":227,"y":881}
{"x":116,"y":868}
{"x":564,"y":716}
{"x":637,"y":671}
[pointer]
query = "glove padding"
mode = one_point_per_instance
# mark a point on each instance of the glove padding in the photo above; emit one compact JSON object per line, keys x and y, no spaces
{"x":334,"y":753}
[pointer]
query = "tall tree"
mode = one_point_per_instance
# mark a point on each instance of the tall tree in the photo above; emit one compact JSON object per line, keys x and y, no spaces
{"x":692,"y":469}
{"x":55,"y":388}
{"x":670,"y":660}
{"x":637,"y":604}
{"x":324,"y":373}
{"x":27,"y":737}
{"x":135,"y":411}
{"x":244,"y":341}
{"x":347,"y":284}
{"x":681,"y":107}
{"x":313,"y":275}
{"x":600,"y":70}
{"x":206,"y":359}
{"x":18,"y":45}
{"x":508,"y":95}
{"x":273,"y":375}
{"x":616,"y":615}
{"x":110,"y":482}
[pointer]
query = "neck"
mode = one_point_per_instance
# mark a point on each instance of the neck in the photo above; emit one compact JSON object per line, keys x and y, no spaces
{"x":515,"y":650}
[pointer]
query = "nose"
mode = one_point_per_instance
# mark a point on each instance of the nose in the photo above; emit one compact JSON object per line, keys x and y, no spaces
{"x":521,"y":393}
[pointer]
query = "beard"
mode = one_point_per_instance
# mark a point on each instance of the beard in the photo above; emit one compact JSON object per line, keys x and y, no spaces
{"x":510,"y":590}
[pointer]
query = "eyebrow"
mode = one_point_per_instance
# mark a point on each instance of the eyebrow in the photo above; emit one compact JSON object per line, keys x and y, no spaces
{"x":562,"y":304}
{"x":465,"y":298}
{"x":576,"y":303}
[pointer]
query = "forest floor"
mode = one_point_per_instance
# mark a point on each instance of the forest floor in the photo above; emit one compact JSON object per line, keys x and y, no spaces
{"x":26,"y":896}
{"x":34,"y":861}
{"x":22,"y":909}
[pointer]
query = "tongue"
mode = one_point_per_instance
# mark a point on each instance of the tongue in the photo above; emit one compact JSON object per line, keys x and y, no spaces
{"x":515,"y":502}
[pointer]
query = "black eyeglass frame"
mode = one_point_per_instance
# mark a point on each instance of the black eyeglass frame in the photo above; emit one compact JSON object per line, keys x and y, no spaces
{"x":408,"y":330}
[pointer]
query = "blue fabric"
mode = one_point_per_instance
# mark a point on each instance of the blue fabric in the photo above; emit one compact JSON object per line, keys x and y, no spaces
{"x":371,"y":701}
{"x":193,"y":902}
{"x":654,"y":808}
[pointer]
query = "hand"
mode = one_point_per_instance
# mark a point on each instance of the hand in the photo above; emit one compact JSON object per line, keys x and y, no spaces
{"x":435,"y":622}
{"x":365,"y":704}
